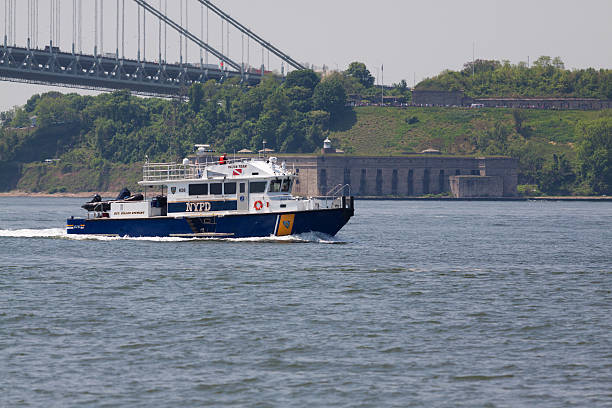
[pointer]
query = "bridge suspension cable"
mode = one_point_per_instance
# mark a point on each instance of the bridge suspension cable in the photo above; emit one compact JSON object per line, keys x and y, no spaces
{"x":144,"y":36}
{"x":188,"y":34}
{"x":250,"y":33}
{"x":180,"y":34}
{"x":80,"y":28}
{"x":101,"y":26}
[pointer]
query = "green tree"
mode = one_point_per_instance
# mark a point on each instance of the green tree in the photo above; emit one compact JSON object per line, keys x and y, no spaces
{"x":594,"y":154}
{"x":558,"y":63}
{"x":305,"y":78}
{"x":556,"y":176}
{"x":21,"y":119}
{"x":360,"y":72}
{"x":196,"y":94}
{"x":402,"y":85}
{"x":330,"y":96}
{"x":547,"y":77}
{"x":480,"y":66}
{"x":31,"y":104}
{"x":543,"y":62}
{"x":519,"y":117}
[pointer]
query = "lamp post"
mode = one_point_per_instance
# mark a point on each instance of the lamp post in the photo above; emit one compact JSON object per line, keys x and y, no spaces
{"x":382,"y":85}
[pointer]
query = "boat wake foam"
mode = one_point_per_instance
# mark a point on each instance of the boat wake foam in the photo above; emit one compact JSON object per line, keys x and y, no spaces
{"x":34,"y":233}
{"x":60,"y":233}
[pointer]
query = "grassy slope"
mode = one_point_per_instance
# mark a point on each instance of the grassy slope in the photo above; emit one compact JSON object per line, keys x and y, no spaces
{"x":386,"y":130}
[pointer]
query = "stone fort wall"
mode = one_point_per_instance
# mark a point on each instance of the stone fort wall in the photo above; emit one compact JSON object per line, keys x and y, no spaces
{"x":458,"y":98}
{"x":396,"y":176}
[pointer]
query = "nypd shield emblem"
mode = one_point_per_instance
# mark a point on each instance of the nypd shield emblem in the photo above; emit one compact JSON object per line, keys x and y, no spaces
{"x":173,"y":190}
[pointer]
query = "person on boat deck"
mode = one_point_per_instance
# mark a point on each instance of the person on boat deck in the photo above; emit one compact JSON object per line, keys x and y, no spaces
{"x":125,"y":193}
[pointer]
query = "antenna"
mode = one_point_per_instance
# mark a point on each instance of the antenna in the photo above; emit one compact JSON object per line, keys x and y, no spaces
{"x":473,"y":58}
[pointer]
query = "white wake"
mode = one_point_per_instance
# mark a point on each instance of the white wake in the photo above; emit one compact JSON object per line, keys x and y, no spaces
{"x":60,"y":233}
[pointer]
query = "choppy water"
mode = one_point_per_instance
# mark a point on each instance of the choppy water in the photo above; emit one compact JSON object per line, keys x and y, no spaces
{"x":412,"y":304}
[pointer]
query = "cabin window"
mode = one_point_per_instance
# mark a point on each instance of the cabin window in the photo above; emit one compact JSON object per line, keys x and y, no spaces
{"x":216,"y":188}
{"x":198,"y":189}
{"x":379,"y":182}
{"x":286,"y":186}
{"x":257,"y":186}
{"x":275,"y":186}
{"x":229,"y":188}
{"x":242,"y":187}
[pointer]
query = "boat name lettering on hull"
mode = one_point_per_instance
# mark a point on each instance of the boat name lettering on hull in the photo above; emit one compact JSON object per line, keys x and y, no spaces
{"x":198,"y":207}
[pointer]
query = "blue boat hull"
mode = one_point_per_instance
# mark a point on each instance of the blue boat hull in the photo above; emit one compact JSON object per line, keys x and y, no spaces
{"x":328,"y":221}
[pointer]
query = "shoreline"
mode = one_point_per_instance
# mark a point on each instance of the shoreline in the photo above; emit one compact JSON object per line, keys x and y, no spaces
{"x":543,"y":198}
{"x":112,"y":194}
{"x":84,"y":194}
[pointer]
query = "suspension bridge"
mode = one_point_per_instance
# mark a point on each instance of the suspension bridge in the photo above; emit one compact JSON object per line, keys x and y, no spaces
{"x":172,"y":45}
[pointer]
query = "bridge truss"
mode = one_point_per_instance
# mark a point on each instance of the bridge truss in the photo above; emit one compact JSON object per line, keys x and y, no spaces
{"x":50,"y":65}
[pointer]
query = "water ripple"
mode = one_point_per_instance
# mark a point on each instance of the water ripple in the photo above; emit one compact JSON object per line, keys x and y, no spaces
{"x":413,"y":304}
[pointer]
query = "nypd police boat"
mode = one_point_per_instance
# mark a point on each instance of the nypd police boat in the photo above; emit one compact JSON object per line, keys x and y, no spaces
{"x":216,"y":197}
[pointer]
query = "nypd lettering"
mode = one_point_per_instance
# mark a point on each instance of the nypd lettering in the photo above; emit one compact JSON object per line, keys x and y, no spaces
{"x":198,"y":207}
{"x":202,"y":206}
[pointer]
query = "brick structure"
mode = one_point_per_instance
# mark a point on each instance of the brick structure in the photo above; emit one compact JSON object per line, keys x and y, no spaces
{"x":476,"y":186}
{"x":545,"y":103}
{"x":397,"y":176}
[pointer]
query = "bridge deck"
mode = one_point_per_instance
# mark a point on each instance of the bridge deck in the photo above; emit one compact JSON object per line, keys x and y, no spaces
{"x":107,"y":72}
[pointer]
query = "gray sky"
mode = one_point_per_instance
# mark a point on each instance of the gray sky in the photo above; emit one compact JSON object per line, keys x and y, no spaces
{"x":412,"y":38}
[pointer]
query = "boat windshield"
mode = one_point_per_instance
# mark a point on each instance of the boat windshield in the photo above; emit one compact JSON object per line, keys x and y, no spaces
{"x":286,"y":186}
{"x":275,"y":186}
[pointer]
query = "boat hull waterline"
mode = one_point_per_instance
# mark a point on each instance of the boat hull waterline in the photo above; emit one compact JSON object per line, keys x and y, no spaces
{"x":326,"y":221}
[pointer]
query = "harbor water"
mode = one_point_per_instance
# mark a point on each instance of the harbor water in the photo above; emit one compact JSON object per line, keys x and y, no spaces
{"x":445,"y":304}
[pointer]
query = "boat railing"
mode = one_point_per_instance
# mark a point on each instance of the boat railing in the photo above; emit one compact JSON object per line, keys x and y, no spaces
{"x":179,"y":171}
{"x":335,"y":196}
{"x":169,"y":171}
{"x":339,"y":190}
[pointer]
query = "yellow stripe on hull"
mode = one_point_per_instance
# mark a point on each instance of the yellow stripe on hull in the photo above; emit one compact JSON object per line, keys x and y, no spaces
{"x":285,"y":225}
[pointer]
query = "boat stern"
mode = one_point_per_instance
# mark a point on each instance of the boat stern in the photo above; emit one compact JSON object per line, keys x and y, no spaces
{"x":75,"y":226}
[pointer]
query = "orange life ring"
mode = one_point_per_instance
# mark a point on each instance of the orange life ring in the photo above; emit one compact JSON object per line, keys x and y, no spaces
{"x":258,"y":205}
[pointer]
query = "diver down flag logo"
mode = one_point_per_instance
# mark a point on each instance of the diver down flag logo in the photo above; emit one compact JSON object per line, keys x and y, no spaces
{"x":285,"y":225}
{"x":237,"y":172}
